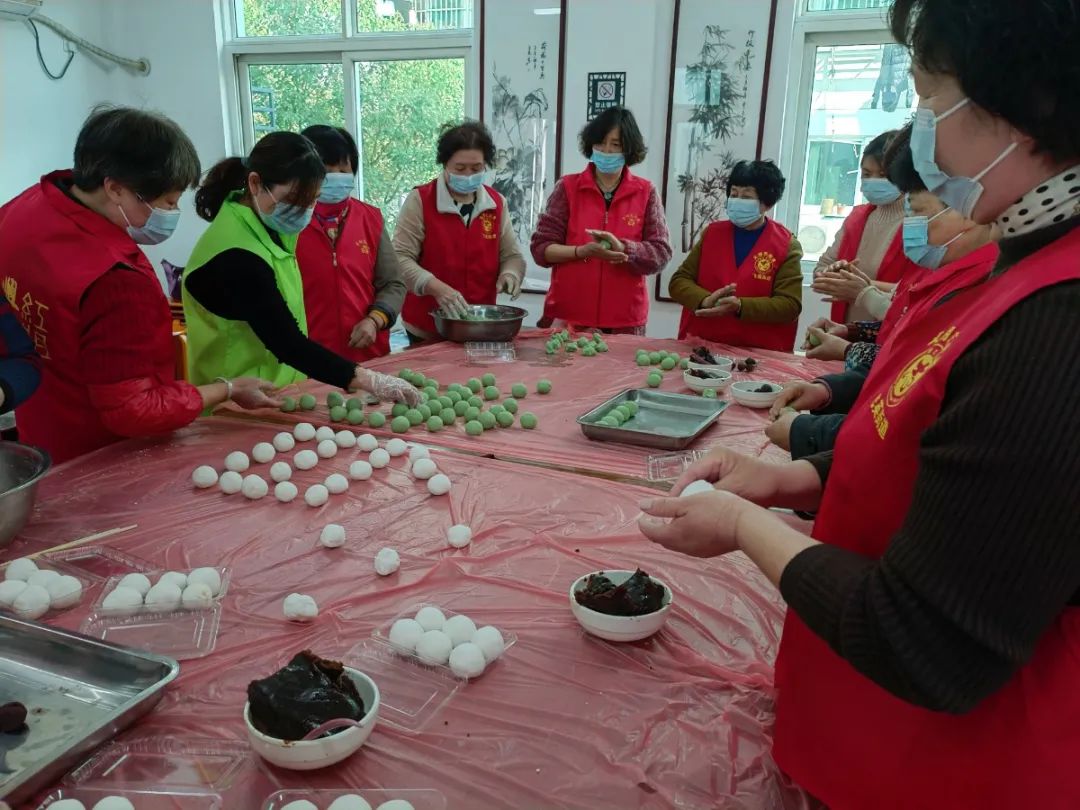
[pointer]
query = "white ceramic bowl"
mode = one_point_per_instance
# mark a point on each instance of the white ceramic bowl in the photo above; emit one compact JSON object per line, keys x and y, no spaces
{"x":618,"y":628}
{"x":743,"y":392}
{"x":314,"y":754}
{"x":722,"y":364}
{"x":719,"y":381}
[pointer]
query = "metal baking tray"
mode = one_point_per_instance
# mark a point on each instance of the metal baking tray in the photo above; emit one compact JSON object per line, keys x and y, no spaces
{"x":664,"y":420}
{"x":79,"y":693}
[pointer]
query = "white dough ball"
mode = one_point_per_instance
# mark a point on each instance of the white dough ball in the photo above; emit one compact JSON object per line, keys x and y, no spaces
{"x":434,"y":647}
{"x":197,"y":596}
{"x":164,"y":596}
{"x":305,"y":459}
{"x":387,"y":562}
{"x":345,"y":439}
{"x":333,"y":535}
{"x":299,"y":607}
{"x":418,"y":452}
{"x":207,"y":576}
{"x":490,"y":641}
{"x":431,"y":618}
{"x":137,"y":582}
{"x":696,"y":488}
{"x":237,"y":461}
{"x":32,"y":602}
{"x":263,"y":452}
{"x":367,"y":442}
{"x":204,"y":477}
{"x":114,"y":803}
{"x":350,"y":801}
{"x":360,"y":470}
{"x":379,"y":458}
{"x":231,"y":482}
{"x":459,"y":536}
{"x":123,"y":600}
{"x":64,"y":592}
{"x":324,"y":434}
{"x":316,"y":495}
{"x":20,"y":569}
{"x":42,"y":577}
{"x":304,"y":432}
{"x":286,"y":491}
{"x":9,"y":589}
{"x":255,"y":487}
{"x":284,"y":442}
{"x":467,"y":660}
{"x":280,"y":471}
{"x":397,"y":447}
{"x":460,"y":628}
{"x":404,"y":635}
{"x":423,"y":469}
{"x":300,"y":804}
{"x":327,"y":448}
{"x":336,"y":483}
{"x":396,"y":804}
{"x":177,"y":578}
{"x":68,"y":804}
{"x":438,"y":484}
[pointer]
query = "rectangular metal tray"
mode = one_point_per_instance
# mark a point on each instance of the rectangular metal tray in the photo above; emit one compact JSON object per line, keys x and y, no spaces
{"x":664,"y":420}
{"x":79,"y":692}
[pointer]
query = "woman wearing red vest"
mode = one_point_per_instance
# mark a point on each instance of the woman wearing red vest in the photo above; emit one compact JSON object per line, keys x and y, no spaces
{"x":353,"y":290}
{"x":859,"y":272}
{"x":71,"y":266}
{"x":454,"y":238}
{"x":742,"y":283}
{"x":931,"y":650}
{"x":603,"y":233}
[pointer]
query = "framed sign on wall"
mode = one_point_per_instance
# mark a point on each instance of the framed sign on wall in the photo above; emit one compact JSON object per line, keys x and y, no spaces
{"x":605,"y":90}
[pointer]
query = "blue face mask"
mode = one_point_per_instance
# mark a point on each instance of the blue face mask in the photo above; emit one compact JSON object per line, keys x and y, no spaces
{"x":743,"y":213}
{"x":337,"y":187}
{"x":916,"y":238}
{"x":285,"y":218}
{"x":465,"y":183}
{"x":879,"y":191}
{"x":608,"y":163}
{"x":159,"y":227}
{"x":959,"y":193}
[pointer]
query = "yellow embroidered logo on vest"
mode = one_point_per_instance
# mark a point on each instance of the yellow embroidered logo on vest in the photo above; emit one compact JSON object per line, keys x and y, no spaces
{"x":909,"y":378}
{"x":631,"y":220}
{"x":764,"y":265}
{"x":363,"y":245}
{"x":487,"y":225}
{"x":11,"y":288}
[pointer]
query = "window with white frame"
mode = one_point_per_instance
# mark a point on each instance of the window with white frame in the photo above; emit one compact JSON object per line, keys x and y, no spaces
{"x":391,"y":71}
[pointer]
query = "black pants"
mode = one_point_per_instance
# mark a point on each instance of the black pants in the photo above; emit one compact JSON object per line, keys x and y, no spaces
{"x":812,"y":433}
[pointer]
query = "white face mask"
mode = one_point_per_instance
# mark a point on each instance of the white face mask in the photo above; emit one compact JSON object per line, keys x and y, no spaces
{"x":160,"y":225}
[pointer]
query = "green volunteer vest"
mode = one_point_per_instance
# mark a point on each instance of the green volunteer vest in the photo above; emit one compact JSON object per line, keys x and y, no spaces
{"x":219,"y":347}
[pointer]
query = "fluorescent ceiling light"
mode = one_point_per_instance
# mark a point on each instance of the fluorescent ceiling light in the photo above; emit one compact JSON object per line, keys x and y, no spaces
{"x":546,"y":11}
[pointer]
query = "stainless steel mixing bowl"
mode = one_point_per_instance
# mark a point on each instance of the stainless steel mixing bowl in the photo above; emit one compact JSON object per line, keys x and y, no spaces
{"x":483,"y":322}
{"x":21,"y":468}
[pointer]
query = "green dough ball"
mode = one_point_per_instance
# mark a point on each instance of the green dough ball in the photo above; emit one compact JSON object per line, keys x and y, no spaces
{"x":434,"y":424}
{"x":813,"y":339}
{"x":601,"y":347}
{"x":597,"y":335}
{"x":448,"y":416}
{"x":497,"y":409}
{"x":460,"y":407}
{"x":454,"y":397}
{"x":488,"y":379}
{"x":543,"y":387}
{"x":288,"y":405}
{"x":400,"y":424}
{"x":550,"y":350}
{"x":709,"y":393}
{"x":667,"y":364}
{"x":431,"y":383}
{"x":491,"y":392}
{"x":445,"y":402}
{"x":625,"y":411}
{"x":472,"y":413}
{"x":355,"y":403}
{"x":570,"y":348}
{"x":643,"y":360}
{"x":528,"y":420}
{"x":684,"y":363}
{"x":414,"y":416}
{"x":654,"y":380}
{"x":333,"y":399}
{"x":617,"y":415}
{"x":425,"y":411}
{"x":399,"y":409}
{"x":474,"y":428}
{"x":519,"y":391}
{"x":582,"y":343}
{"x":609,"y":421}
{"x":504,"y":418}
{"x":640,"y":352}
{"x":307,"y":402}
{"x":355,"y":416}
{"x":588,"y":351}
{"x":511,"y":405}
{"x":476,"y":402}
{"x":377,"y":419}
{"x":338,"y":413}
{"x":454,"y":387}
{"x":487,"y":419}
{"x":565,"y":334}
{"x":631,"y":407}
{"x":405,"y":373}
{"x":655,"y":358}
{"x":475,"y":385}
{"x":432,"y":393}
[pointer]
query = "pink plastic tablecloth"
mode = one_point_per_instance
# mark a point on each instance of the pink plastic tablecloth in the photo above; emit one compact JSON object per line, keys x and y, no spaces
{"x":563,"y":721}
{"x":579,"y":385}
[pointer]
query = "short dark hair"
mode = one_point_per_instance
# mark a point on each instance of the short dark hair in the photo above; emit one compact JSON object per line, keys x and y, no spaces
{"x":334,"y":144}
{"x":278,"y":158}
{"x":879,"y":144}
{"x":466,"y":135}
{"x":143,"y":150}
{"x":763,"y":175}
{"x":899,"y":165}
{"x":980,"y":43}
{"x":620,"y":118}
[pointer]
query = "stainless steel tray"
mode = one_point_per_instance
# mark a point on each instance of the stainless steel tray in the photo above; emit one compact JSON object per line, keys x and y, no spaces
{"x":664,"y":420}
{"x":79,"y":693}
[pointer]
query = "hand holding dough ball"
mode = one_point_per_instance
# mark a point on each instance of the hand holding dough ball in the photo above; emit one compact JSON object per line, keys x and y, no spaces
{"x":434,"y":647}
{"x":424,"y":468}
{"x":379,"y":458}
{"x":204,"y":477}
{"x":438,"y":484}
{"x":459,"y":536}
{"x":137,"y":582}
{"x":164,"y":596}
{"x":430,"y":618}
{"x":284,"y":442}
{"x":304,"y":432}
{"x":197,"y":596}
{"x":42,"y":577}
{"x":20,"y":569}
{"x":490,"y":641}
{"x":387,"y":561}
{"x":123,"y":600}
{"x":177,"y":578}
{"x":333,"y":535}
{"x":327,"y":448}
{"x":231,"y":482}
{"x":237,"y":461}
{"x":367,"y":442}
{"x":9,"y":589}
{"x":263,"y":452}
{"x":209,"y":577}
{"x":696,"y":488}
{"x":460,"y":628}
{"x":254,"y":487}
{"x":280,"y":471}
{"x":305,"y":460}
{"x":324,"y":434}
{"x":32,"y":602}
{"x":467,"y":661}
{"x":405,"y":635}
{"x":64,"y":592}
{"x":360,"y":470}
{"x":286,"y":491}
{"x":345,"y":439}
{"x":299,"y":607}
{"x":336,"y":483}
{"x":316,"y":495}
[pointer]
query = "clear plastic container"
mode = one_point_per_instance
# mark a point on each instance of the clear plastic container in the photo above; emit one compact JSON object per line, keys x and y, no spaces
{"x":154,"y":575}
{"x":96,"y":563}
{"x":189,"y":766}
{"x":490,"y":352}
{"x":179,"y":634}
{"x":140,"y":799}
{"x":419,"y":799}
{"x":49,"y":565}
{"x":669,"y":466}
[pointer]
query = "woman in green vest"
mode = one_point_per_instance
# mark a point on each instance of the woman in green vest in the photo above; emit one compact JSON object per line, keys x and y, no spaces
{"x":243,"y":293}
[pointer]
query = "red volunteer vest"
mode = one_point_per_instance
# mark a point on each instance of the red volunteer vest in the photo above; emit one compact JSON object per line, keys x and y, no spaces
{"x":754,"y":278}
{"x":592,"y":292}
{"x":466,"y":258}
{"x":51,"y":250}
{"x":843,"y":738}
{"x":893,"y":266}
{"x":339,"y":279}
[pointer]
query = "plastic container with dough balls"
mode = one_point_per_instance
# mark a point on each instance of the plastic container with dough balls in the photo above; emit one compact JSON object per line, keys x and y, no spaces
{"x":158,"y":799}
{"x":419,"y":799}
